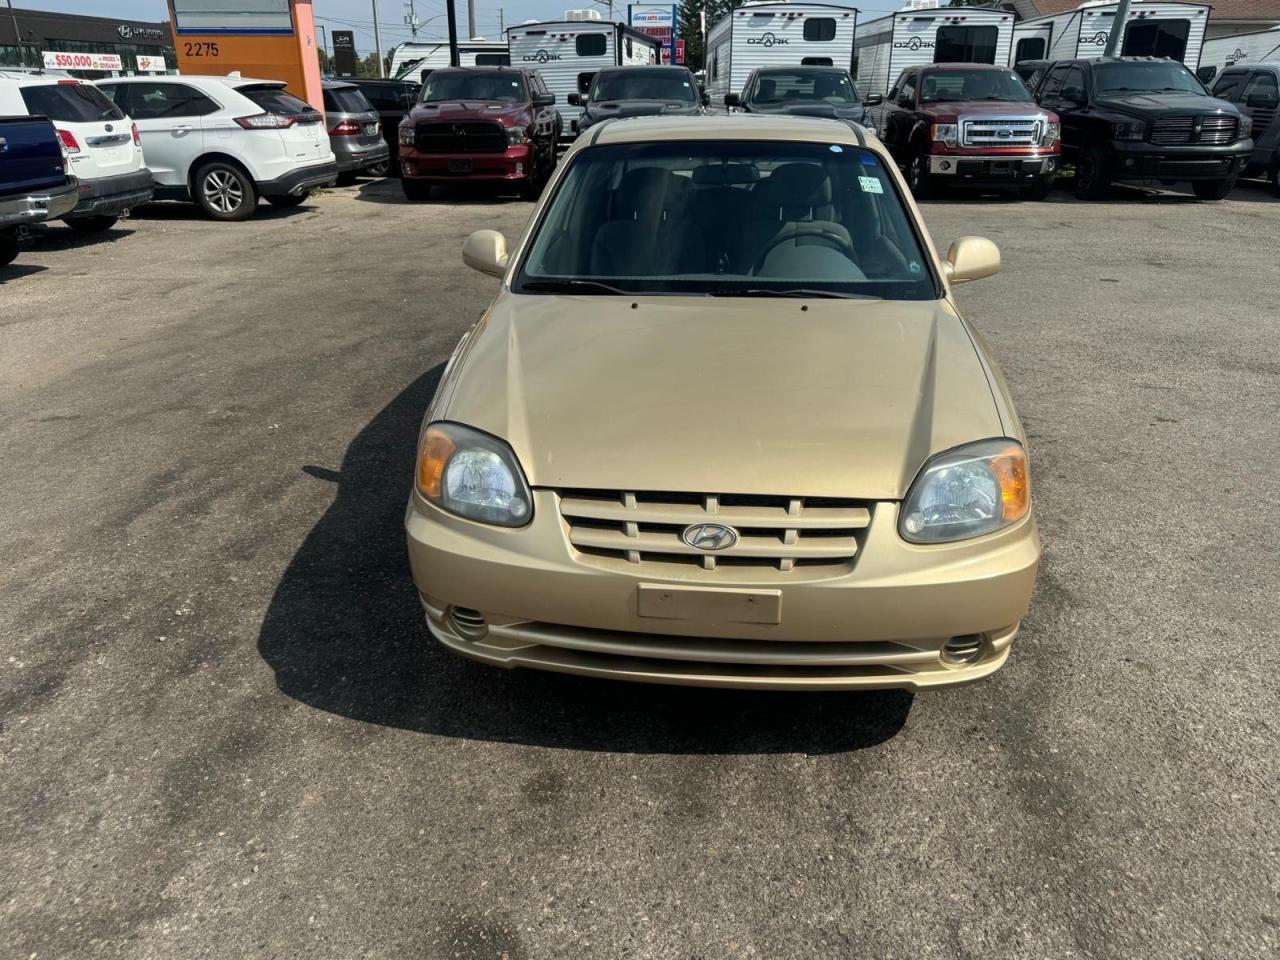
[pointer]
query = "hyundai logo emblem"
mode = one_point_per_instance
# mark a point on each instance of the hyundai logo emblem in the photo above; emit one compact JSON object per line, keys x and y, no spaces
{"x":710,"y":536}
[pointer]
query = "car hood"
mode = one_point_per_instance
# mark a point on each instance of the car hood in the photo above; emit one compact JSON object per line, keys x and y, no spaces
{"x":1158,"y":104}
{"x":808,"y":108}
{"x":698,"y":394}
{"x":595,"y":112}
{"x":469,"y":110}
{"x":984,"y":108}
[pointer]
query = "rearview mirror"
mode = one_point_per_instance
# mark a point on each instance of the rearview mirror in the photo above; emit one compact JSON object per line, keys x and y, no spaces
{"x":486,"y":251}
{"x":874,"y":100}
{"x":732,"y":100}
{"x":575,"y":99}
{"x":969,"y":258}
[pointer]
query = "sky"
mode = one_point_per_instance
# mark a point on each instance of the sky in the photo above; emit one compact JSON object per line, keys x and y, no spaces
{"x":357,"y":15}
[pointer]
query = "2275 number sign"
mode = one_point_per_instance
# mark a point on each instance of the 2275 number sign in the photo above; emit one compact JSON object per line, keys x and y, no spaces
{"x":200,"y":49}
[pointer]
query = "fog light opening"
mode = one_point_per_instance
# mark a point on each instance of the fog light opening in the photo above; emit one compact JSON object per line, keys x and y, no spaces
{"x":946,"y":164}
{"x":965,"y":650}
{"x":467,"y":623}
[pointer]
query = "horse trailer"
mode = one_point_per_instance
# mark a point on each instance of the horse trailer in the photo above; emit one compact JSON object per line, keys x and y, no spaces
{"x":777,"y":35}
{"x":568,"y":53}
{"x":914,"y":37}
{"x":1171,"y":30}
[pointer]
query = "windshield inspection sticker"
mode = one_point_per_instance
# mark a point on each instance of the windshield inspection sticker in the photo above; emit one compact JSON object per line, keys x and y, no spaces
{"x":871,"y":185}
{"x":836,"y":148}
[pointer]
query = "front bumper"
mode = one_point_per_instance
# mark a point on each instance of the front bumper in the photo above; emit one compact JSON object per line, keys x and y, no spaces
{"x":515,"y":164}
{"x":1138,"y":160}
{"x":993,"y":169}
{"x":297,"y":182}
{"x":112,"y":196}
{"x":359,"y":156}
{"x":44,"y":205}
{"x":883,"y":624}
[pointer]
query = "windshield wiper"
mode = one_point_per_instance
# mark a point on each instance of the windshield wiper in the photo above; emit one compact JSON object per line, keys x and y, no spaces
{"x":806,"y":293}
{"x":572,"y":286}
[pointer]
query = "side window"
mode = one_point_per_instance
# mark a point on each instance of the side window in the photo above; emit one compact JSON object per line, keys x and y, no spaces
{"x":1053,"y":83}
{"x":965,"y":45}
{"x":1228,"y":85}
{"x":1029,"y":48}
{"x":820,"y":28}
{"x":1156,"y":38}
{"x":591,"y":44}
{"x":154,"y":101}
{"x":815,"y":62}
{"x":1073,"y":85}
{"x":907,"y":90}
{"x":1262,"y":89}
{"x":584,"y":81}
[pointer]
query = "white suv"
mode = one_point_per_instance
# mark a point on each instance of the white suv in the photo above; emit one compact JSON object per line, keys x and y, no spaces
{"x":226,"y":141}
{"x":100,"y":141}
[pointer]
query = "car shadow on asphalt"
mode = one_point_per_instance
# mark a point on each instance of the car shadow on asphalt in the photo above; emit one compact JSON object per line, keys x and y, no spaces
{"x":344,"y":633}
{"x":183,"y":210}
{"x":18,"y":270}
{"x":60,"y":237}
{"x":388,"y":190}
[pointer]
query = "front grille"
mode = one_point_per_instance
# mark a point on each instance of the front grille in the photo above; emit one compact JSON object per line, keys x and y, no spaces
{"x":777,"y":533}
{"x":1175,"y":131}
{"x":1000,"y":132}
{"x":479,"y":136}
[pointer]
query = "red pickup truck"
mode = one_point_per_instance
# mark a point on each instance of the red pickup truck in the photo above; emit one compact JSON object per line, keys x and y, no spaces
{"x":495,"y":125}
{"x":968,"y":124}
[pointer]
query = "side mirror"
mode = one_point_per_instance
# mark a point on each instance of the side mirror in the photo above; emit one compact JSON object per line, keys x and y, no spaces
{"x":732,"y":100}
{"x":545,"y":100}
{"x":874,"y":100}
{"x":486,"y":251}
{"x":969,"y":258}
{"x":1072,"y":94}
{"x":575,"y":99}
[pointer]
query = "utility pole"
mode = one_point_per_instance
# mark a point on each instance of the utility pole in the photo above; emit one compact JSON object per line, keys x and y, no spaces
{"x":502,"y":24}
{"x":411,"y":19}
{"x":471,"y":18}
{"x":17,"y":37}
{"x":454,"y":60}
{"x":377,"y":41}
{"x":1117,"y":29}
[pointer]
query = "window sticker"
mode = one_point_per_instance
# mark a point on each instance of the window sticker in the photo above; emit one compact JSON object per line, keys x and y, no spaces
{"x":870,"y":185}
{"x":835,"y":148}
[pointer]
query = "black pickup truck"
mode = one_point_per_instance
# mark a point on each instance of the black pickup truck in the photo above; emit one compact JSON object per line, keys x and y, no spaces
{"x":34,"y":183}
{"x":1143,"y":118}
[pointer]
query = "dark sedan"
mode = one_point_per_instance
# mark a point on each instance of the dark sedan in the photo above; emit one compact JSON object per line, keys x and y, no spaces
{"x":801,"y":92}
{"x":638,"y":92}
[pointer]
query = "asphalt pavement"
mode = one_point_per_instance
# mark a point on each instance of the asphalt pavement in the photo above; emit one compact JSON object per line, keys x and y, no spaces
{"x":226,"y":733}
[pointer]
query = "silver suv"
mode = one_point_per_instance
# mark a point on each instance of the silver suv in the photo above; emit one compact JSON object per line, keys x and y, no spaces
{"x":355,"y":132}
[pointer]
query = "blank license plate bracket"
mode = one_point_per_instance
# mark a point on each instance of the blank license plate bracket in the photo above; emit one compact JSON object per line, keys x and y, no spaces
{"x":459,"y":166}
{"x":709,"y":604}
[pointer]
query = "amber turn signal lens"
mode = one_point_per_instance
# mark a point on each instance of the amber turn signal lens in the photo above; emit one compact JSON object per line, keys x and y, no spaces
{"x":436,"y":450}
{"x":1010,"y":469}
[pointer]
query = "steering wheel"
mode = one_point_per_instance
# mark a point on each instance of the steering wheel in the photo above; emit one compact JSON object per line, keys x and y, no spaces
{"x":815,"y":231}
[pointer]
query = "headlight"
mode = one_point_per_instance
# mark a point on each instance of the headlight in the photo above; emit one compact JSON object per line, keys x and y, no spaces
{"x":1051,"y":133}
{"x":1128,"y":130}
{"x":406,"y":136}
{"x":966,"y":492}
{"x":473,"y":475}
{"x":1246,"y":127}
{"x":517,"y":135}
{"x":948,"y":133}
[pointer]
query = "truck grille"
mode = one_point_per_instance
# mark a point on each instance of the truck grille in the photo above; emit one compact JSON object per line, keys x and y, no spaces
{"x":781,"y":533}
{"x":1213,"y":129}
{"x":479,"y":136}
{"x":1000,"y":132}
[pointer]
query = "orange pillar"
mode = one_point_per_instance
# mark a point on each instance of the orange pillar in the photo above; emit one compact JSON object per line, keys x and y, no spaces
{"x":263,"y":46}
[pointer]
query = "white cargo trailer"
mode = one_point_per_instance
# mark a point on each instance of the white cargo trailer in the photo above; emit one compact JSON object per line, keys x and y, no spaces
{"x":568,"y":53}
{"x":776,"y":35}
{"x":912,"y":38}
{"x":1171,"y":30}
{"x":409,"y":60}
{"x":1244,"y":48}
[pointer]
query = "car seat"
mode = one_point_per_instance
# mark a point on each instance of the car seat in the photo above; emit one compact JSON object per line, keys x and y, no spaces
{"x":649,"y":232}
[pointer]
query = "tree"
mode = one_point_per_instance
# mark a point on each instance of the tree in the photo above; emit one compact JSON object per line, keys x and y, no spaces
{"x":691,"y":27}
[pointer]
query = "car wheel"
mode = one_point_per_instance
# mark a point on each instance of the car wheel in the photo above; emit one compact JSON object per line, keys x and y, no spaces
{"x":347,"y":178}
{"x":225,"y":192}
{"x":415,"y":190}
{"x":1093,"y":179}
{"x":918,"y":176}
{"x":1214,"y":189}
{"x":92,"y":225}
{"x":1275,"y":177}
{"x":8,"y":251}
{"x":1039,"y":190}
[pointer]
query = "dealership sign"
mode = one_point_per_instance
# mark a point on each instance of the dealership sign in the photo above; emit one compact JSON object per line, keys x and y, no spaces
{"x":152,"y":65}
{"x":659,"y":22}
{"x":53,"y":60}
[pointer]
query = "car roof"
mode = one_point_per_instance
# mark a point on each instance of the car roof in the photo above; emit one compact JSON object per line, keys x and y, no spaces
{"x":483,"y":69}
{"x":1097,"y":60}
{"x":633,"y":67}
{"x":736,"y":126}
{"x":963,"y":68}
{"x":337,"y":85}
{"x":223,"y":79}
{"x":801,"y":68}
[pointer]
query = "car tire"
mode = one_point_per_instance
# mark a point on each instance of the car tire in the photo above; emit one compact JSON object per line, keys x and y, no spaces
{"x":1214,"y":189}
{"x":8,"y":251}
{"x":918,"y":178}
{"x":1275,"y":177}
{"x":225,"y":192}
{"x":290,"y":200}
{"x":1039,"y":190}
{"x":347,"y":178}
{"x":1093,"y":174}
{"x":91,"y":225}
{"x":415,"y":190}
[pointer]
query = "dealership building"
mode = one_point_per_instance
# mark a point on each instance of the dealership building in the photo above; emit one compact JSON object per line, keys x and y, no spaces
{"x":89,"y":47}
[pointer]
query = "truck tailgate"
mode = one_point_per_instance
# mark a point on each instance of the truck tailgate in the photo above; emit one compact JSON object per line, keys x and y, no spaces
{"x":30,"y":156}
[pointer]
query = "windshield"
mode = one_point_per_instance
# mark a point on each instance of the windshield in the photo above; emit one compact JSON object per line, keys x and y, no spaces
{"x":457,"y":85}
{"x":1144,"y":76}
{"x":69,"y":103}
{"x":782,"y":86}
{"x":999,"y":85}
{"x":727,"y":218}
{"x":643,"y":85}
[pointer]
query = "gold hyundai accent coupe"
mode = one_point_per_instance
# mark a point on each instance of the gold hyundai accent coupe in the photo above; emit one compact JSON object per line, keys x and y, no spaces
{"x":723,"y":425}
